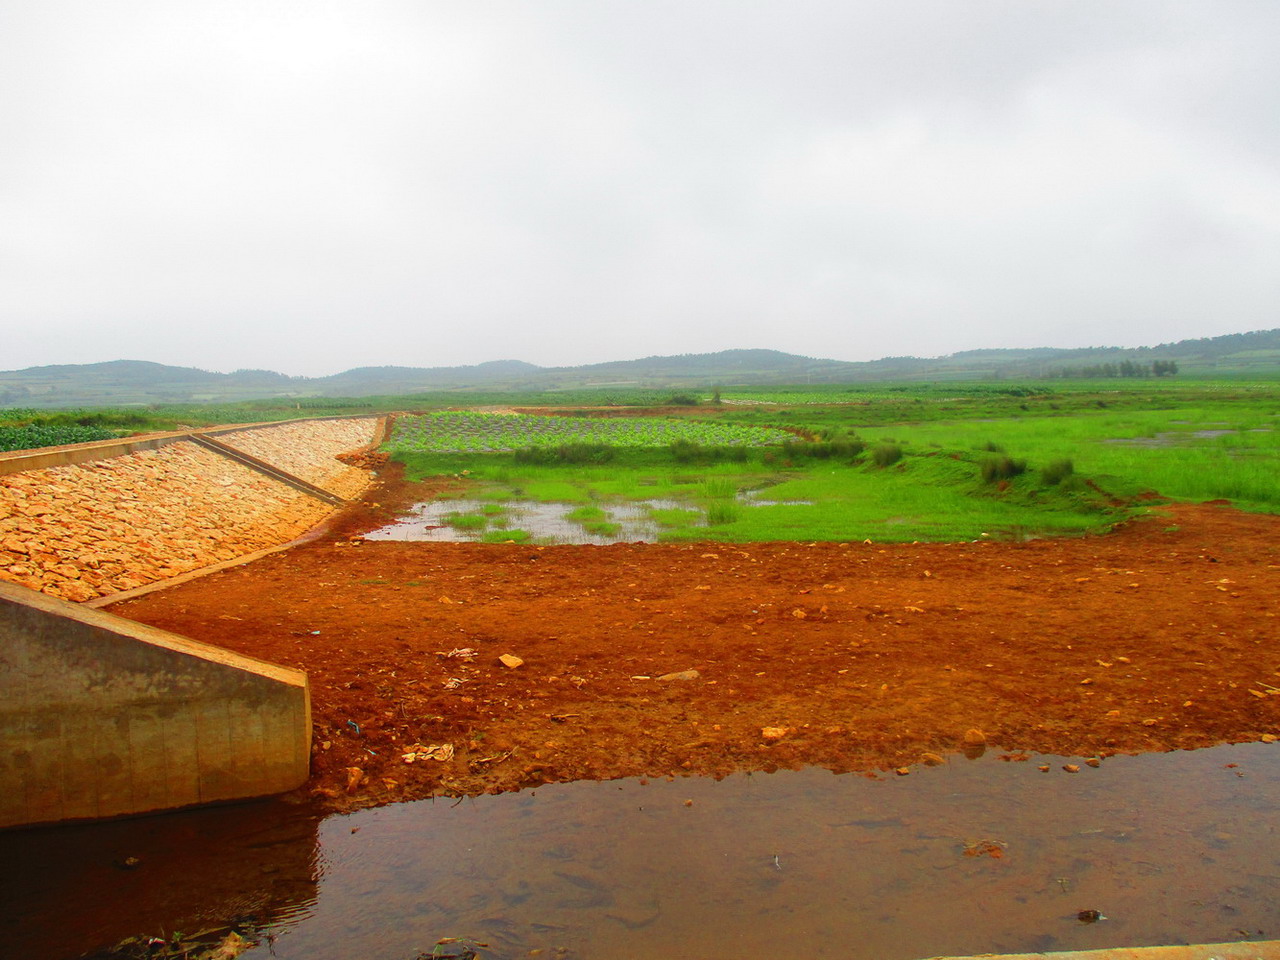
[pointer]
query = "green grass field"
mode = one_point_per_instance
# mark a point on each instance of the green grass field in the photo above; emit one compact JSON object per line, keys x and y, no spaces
{"x":1182,"y":438}
{"x":1067,"y":457}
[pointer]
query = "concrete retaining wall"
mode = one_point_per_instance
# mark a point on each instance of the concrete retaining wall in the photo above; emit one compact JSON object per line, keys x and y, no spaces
{"x":100,"y":716}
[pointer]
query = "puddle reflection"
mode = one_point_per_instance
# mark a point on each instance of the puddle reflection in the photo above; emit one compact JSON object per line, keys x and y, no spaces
{"x":70,"y":890}
{"x":970,"y":857}
{"x":545,"y":522}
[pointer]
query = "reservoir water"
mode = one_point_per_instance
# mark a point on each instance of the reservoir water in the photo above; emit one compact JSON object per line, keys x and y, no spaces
{"x":973,"y":856}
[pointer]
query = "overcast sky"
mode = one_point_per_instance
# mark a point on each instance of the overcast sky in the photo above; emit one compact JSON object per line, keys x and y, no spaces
{"x":310,"y":186}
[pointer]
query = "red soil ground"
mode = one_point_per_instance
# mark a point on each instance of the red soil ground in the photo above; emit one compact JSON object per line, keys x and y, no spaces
{"x":854,"y":656}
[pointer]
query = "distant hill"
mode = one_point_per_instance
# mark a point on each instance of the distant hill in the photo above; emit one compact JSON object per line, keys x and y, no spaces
{"x":140,"y":381}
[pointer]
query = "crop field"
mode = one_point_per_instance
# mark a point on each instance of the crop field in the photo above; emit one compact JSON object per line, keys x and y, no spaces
{"x":25,"y":437}
{"x":461,"y":432}
{"x":994,"y":461}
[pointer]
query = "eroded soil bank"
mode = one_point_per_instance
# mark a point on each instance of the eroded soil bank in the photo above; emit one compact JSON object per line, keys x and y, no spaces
{"x":849,"y":656}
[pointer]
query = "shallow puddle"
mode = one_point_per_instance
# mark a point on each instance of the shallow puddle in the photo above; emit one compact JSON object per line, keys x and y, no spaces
{"x":545,"y":522}
{"x":969,"y":857}
{"x":1171,"y":438}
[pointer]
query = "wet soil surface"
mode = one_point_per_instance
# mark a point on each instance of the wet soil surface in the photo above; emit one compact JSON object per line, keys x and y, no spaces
{"x":855,"y":656}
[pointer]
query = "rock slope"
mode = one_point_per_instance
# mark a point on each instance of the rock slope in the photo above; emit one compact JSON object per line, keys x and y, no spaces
{"x":93,"y":529}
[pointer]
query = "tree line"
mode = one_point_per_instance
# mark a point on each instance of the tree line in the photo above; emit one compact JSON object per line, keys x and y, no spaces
{"x":1125,"y":368}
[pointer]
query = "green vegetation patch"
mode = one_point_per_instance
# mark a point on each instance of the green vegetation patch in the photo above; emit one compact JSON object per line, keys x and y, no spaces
{"x":546,"y":439}
{"x":923,"y":496}
{"x":23,"y":438}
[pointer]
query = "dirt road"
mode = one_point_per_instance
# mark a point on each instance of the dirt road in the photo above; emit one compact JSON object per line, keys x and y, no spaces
{"x":850,"y":656}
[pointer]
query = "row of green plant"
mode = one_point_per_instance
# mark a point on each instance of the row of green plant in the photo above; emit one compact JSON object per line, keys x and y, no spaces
{"x":463,"y":431}
{"x":27,"y":437}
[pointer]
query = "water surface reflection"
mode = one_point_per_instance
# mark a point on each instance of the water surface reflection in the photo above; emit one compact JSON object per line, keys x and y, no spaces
{"x":981,"y":856}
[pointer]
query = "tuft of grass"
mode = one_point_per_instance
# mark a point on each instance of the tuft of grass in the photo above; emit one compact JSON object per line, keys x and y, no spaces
{"x":717,"y":488}
{"x":1056,"y":471}
{"x":674,"y":517}
{"x":505,"y":536}
{"x":995,"y":469}
{"x":886,"y":454}
{"x":466,"y":521}
{"x":595,"y":520}
{"x":718,"y":514}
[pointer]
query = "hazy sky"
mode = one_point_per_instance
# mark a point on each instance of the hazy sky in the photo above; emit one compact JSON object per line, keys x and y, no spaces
{"x":310,"y":186}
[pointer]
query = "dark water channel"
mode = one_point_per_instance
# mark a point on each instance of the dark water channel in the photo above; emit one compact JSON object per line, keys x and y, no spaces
{"x":970,"y":857}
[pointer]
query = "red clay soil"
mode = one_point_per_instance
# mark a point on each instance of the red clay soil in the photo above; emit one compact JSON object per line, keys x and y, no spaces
{"x":849,"y":656}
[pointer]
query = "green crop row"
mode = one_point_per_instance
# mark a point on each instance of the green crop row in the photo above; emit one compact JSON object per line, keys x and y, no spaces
{"x":24,"y":438}
{"x":461,"y":432}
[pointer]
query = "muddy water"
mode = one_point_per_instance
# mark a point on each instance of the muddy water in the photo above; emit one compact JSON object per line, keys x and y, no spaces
{"x":969,"y":857}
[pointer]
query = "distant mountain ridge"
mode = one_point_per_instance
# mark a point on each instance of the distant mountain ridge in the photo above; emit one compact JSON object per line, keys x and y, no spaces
{"x":142,"y":381}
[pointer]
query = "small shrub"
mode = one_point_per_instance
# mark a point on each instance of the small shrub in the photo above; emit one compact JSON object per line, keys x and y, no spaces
{"x":721,"y":513}
{"x":717,"y":488}
{"x":886,"y":454}
{"x":1056,"y":471}
{"x":687,"y":451}
{"x":995,"y":469}
{"x":567,"y":453}
{"x":992,"y":447}
{"x":841,"y":449}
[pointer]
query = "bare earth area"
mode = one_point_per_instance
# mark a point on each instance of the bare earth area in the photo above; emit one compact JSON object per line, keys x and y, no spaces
{"x":849,"y":656}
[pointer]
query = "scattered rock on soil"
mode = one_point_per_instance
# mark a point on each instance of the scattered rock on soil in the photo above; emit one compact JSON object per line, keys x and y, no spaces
{"x":681,"y":675}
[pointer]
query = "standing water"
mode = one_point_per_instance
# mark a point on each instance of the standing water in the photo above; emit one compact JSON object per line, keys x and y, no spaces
{"x":436,"y":521}
{"x":970,"y":857}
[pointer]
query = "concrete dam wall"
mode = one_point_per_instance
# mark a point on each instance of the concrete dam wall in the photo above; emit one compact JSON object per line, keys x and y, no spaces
{"x":101,"y":716}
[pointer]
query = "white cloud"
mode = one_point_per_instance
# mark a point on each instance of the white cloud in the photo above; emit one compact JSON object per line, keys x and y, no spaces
{"x":314,"y":187}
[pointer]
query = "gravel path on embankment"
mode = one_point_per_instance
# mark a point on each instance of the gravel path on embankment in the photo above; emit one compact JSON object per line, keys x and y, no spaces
{"x":98,"y":528}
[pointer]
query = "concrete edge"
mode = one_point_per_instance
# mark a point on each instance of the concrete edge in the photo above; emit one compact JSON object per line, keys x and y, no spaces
{"x":313,"y":534}
{"x":267,"y":469}
{"x":39,"y":458}
{"x":105,"y":717}
{"x":1238,"y":950}
{"x":153,"y":636}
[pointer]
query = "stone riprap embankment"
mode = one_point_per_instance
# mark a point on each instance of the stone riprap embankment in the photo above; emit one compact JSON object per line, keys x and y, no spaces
{"x":308,"y":450}
{"x":93,"y":529}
